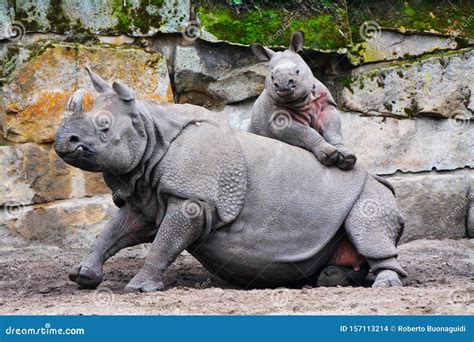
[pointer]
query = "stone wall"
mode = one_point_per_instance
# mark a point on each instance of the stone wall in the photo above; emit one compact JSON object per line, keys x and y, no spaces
{"x":404,"y":83}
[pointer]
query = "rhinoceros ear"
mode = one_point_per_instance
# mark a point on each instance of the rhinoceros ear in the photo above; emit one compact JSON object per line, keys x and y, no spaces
{"x":123,"y":91}
{"x":99,"y":83}
{"x":74,"y":105}
{"x":297,"y":41}
{"x":262,"y":53}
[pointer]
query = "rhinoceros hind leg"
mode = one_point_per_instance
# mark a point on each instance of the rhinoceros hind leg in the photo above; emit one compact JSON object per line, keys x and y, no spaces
{"x":374,"y":225}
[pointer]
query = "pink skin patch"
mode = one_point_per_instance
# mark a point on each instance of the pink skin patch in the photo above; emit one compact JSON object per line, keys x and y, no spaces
{"x":346,"y":255}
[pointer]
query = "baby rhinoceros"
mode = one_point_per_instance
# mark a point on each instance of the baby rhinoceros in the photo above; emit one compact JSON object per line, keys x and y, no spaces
{"x":297,"y":108}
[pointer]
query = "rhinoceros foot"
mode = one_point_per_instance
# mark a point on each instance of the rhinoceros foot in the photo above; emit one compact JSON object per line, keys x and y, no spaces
{"x":334,"y":276}
{"x":346,"y":159}
{"x":86,"y":277}
{"x":144,"y":282}
{"x":387,"y":278}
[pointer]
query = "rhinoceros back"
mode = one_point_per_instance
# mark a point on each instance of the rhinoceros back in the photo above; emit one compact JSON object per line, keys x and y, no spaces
{"x":293,"y":206}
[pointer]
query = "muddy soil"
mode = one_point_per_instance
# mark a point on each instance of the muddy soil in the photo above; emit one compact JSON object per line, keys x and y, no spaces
{"x":33,"y":280}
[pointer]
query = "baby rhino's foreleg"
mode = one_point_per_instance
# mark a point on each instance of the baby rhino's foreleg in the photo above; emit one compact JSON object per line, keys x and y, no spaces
{"x":332,"y":133}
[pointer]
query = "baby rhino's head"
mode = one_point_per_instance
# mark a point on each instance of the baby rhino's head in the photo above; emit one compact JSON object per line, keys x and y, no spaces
{"x":289,"y":78}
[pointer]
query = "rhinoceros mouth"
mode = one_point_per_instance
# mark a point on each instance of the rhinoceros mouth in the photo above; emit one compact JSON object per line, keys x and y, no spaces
{"x":284,"y":93}
{"x":77,"y":152}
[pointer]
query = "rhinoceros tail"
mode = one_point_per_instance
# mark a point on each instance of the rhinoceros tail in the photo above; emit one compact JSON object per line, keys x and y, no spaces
{"x":385,"y":182}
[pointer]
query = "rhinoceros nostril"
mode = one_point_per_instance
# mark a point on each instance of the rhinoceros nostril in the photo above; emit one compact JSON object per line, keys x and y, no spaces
{"x":73,"y":138}
{"x":276,"y":85}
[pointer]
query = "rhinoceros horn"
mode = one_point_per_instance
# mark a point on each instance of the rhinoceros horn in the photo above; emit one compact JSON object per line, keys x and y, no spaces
{"x":74,"y":105}
{"x":99,"y":83}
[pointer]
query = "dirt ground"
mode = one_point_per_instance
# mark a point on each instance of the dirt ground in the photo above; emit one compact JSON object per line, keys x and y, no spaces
{"x":33,"y":280}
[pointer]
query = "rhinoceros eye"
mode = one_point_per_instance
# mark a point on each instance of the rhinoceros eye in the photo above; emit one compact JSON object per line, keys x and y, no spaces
{"x":103,"y":120}
{"x":297,"y":71}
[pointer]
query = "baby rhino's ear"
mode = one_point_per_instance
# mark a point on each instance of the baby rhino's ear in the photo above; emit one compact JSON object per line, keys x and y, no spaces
{"x":262,"y":53}
{"x":123,"y":91}
{"x":297,"y":41}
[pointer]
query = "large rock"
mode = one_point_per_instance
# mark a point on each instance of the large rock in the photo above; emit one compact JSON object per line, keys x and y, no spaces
{"x":238,"y":114}
{"x":33,"y":173}
{"x":72,"y":223}
{"x":35,"y":98}
{"x":208,"y":75}
{"x":134,"y":17}
{"x":385,"y":145}
{"x":440,"y":86}
{"x":434,"y":205}
{"x":389,"y":45}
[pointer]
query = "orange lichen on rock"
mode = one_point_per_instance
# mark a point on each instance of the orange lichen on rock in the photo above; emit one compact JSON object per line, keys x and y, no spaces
{"x":35,"y":99}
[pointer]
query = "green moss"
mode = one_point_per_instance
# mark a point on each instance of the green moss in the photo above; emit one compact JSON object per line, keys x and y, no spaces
{"x":8,"y":63}
{"x":325,"y":25}
{"x":411,"y":60}
{"x":58,"y":19}
{"x":413,"y":110}
{"x":361,"y":81}
{"x":347,"y":81}
{"x":38,"y":49}
{"x":27,"y":18}
{"x":419,"y":15}
{"x":142,"y":17}
{"x":388,"y":106}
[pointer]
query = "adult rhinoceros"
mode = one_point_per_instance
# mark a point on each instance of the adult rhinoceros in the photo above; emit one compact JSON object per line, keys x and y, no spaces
{"x":253,"y":210}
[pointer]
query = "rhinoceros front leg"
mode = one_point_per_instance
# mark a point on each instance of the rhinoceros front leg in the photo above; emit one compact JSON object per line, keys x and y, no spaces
{"x":333,"y":135}
{"x":294,"y":133}
{"x":126,"y":229}
{"x":181,"y":226}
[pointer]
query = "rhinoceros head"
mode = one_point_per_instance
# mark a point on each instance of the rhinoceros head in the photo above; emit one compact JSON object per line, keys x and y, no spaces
{"x":289,"y":78}
{"x":109,"y":138}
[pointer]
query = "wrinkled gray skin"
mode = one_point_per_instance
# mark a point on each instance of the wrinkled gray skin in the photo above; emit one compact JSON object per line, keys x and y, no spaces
{"x":188,"y":182}
{"x":288,"y":84}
